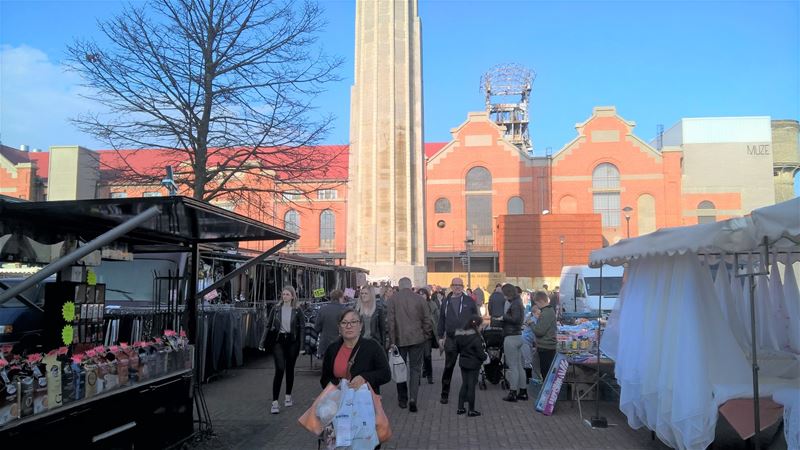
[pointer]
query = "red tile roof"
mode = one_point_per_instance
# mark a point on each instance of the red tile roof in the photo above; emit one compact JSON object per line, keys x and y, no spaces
{"x":154,"y":160}
{"x":432,"y":147}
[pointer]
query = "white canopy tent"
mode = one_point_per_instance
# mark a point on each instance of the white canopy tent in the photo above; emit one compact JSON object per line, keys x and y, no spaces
{"x":685,"y":343}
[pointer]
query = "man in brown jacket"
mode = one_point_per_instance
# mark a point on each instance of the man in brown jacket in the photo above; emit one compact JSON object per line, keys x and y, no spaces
{"x":410,"y":326}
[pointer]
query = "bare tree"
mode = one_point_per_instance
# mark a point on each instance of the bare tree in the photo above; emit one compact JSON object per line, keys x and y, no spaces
{"x":224,"y":88}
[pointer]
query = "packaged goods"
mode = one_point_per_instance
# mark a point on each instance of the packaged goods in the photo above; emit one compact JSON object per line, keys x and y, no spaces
{"x":67,"y":382}
{"x":26,"y":394}
{"x":133,"y":362}
{"x":91,"y":380}
{"x":9,"y":395}
{"x":54,"y":390}
{"x":79,"y":375}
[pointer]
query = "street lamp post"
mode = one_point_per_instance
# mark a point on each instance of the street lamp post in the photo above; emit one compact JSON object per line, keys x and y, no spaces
{"x":468,"y":244}
{"x":627,"y":210}
{"x":562,"y":240}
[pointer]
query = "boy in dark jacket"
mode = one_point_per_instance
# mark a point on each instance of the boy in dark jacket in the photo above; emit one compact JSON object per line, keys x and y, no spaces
{"x":471,"y":355}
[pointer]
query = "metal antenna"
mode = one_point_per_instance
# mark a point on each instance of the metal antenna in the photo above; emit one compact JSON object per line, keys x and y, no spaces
{"x":509,"y":80}
{"x":169,"y":182}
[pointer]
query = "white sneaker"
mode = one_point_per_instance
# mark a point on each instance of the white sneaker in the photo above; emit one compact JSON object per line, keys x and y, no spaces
{"x":288,"y":402}
{"x":275,"y":409}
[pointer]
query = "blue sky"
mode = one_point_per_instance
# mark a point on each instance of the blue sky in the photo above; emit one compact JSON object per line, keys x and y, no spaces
{"x":656,"y":61}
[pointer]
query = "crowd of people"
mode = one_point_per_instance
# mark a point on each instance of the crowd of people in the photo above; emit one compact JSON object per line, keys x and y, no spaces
{"x":355,"y":334}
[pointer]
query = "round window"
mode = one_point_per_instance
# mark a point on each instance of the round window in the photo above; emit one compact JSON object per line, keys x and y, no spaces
{"x":440,"y":224}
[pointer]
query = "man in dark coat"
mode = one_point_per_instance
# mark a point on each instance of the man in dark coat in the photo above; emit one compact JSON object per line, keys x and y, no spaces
{"x":457,"y":309}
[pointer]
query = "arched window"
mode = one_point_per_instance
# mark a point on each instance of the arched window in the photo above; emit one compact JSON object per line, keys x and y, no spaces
{"x":327,"y":229}
{"x":516,"y":206}
{"x":479,"y":179}
{"x":645,"y":214}
{"x":605,"y":176}
{"x":706,"y":212}
{"x":479,"y":206}
{"x":605,"y":182}
{"x":291,"y":221}
{"x":442,"y":206}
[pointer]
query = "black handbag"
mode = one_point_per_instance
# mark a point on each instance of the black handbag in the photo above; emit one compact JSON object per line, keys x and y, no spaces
{"x":270,"y":333}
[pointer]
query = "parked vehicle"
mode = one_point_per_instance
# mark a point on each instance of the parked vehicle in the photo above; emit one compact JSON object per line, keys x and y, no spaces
{"x":21,"y":324}
{"x":580,"y":288}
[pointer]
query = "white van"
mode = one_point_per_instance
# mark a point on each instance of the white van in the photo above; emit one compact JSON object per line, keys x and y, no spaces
{"x":579,"y":290}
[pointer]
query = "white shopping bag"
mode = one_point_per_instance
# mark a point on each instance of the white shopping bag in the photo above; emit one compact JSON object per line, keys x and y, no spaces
{"x":398,"y":366}
{"x":364,"y":436}
{"x":343,"y":421}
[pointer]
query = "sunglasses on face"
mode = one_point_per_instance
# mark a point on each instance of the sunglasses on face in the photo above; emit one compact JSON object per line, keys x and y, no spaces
{"x":456,"y":285}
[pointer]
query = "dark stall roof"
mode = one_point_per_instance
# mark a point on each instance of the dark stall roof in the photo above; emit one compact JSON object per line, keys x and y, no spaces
{"x":243,"y":254}
{"x":182,"y":220}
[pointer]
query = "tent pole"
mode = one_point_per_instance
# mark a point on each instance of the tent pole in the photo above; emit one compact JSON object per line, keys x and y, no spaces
{"x":597,"y":421}
{"x":756,"y":409}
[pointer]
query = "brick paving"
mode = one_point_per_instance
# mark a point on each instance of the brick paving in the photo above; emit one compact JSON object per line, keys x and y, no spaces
{"x":239,"y":403}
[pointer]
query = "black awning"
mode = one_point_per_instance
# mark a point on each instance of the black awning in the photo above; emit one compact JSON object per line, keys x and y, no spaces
{"x":182,"y":220}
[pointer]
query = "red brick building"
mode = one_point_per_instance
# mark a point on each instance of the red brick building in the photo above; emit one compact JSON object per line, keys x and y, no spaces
{"x":521,"y":215}
{"x":20,"y":176}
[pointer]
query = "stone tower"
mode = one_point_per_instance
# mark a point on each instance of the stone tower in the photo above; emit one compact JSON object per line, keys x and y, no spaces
{"x":386,"y":199}
{"x":785,"y":157}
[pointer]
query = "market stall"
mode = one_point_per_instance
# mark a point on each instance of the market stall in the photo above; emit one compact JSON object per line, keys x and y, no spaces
{"x":708,"y":314}
{"x":93,"y":388}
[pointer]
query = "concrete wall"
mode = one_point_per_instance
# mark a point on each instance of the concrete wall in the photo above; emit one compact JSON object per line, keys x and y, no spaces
{"x":786,"y":159}
{"x":73,"y":174}
{"x":726,"y":157}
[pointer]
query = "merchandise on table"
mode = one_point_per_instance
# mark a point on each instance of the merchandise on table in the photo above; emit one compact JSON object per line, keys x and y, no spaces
{"x":578,"y":342}
{"x":37,"y":384}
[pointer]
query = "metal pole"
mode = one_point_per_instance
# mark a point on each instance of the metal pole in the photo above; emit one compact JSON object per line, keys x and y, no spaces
{"x":597,"y":421}
{"x":628,"y":222}
{"x":469,"y":266}
{"x":191,"y":301}
{"x":67,"y":260}
{"x":756,"y":409}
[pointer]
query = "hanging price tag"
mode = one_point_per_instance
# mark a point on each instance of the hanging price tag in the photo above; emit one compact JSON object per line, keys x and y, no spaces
{"x":68,"y":311}
{"x":67,"y":334}
{"x":91,"y":277}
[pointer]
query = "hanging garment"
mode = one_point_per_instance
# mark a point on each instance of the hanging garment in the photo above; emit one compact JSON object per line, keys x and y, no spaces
{"x":722,"y":286}
{"x":742,"y":305}
{"x":779,"y":315}
{"x":767,"y":339}
{"x":671,"y":329}
{"x":791,"y":296}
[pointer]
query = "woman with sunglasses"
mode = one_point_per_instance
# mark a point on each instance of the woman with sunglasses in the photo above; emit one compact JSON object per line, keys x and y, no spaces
{"x":356,"y":359}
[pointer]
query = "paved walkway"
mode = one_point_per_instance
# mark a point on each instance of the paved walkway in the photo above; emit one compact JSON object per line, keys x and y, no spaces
{"x":239,"y":403}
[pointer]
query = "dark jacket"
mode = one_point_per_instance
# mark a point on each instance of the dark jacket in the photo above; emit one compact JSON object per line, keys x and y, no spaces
{"x":470,"y":351}
{"x":545,"y":329}
{"x":408,"y":319}
{"x":454,"y":314}
{"x":512,"y":319}
{"x":377,"y":325}
{"x":367,"y":360}
{"x":327,"y":325}
{"x":274,"y":323}
{"x":496,"y":302}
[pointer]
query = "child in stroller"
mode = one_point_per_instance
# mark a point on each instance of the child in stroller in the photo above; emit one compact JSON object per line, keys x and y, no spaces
{"x":494,"y":371}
